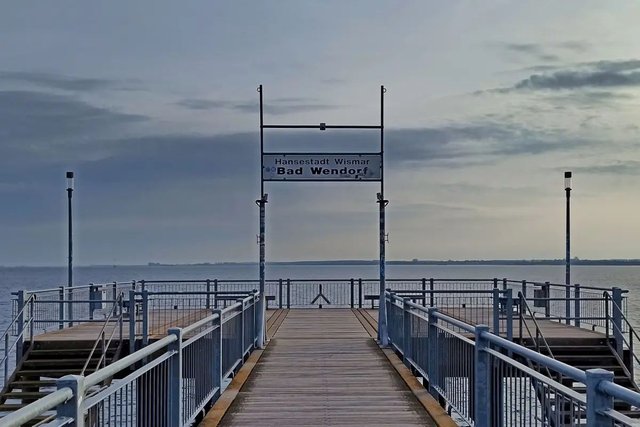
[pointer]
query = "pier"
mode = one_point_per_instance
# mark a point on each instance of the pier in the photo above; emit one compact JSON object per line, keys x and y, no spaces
{"x":486,"y":352}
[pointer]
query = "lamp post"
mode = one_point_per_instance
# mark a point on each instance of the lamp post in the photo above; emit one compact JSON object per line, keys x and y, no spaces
{"x":567,"y":189}
{"x":70,"y":243}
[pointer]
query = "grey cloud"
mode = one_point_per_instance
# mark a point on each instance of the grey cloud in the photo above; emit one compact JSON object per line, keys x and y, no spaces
{"x":575,"y":46}
{"x":626,"y":167}
{"x":274,"y":106}
{"x":63,"y":82}
{"x":534,"y":50}
{"x":27,"y":116}
{"x":579,"y":79}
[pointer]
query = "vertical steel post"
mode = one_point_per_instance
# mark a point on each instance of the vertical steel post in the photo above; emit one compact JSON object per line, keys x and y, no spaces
{"x":597,"y":401}
{"x":70,"y":245}
{"x":496,"y":311}
{"x":132,"y":321}
{"x":482,"y":375}
{"x":617,"y":320}
{"x":509,"y":314}
{"x":72,"y":408}
{"x":208,"y":302}
{"x":175,"y":379}
{"x":351,"y":293}
{"x":383,"y":337}
{"x":431,"y":295}
{"x":547,"y":296}
{"x":61,"y":307}
{"x":524,"y":289}
{"x":145,"y":317}
{"x":360,"y":293}
{"x":20,"y":331}
{"x":424,"y":293}
{"x":262,"y":204}
{"x":504,"y":283}
{"x":406,"y":332}
{"x":567,"y":304}
{"x":576,"y":308}
{"x":215,"y":292}
{"x":432,"y":351}
{"x":567,"y":189}
{"x":288,"y":293}
{"x":280,"y":289}
{"x":217,"y":352}
{"x":241,"y":332}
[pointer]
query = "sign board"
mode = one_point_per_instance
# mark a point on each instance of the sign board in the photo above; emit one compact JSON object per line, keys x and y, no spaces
{"x":322,"y":166}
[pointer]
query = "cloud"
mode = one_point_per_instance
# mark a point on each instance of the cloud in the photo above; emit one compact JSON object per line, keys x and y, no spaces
{"x":275,"y":106}
{"x":626,"y":167}
{"x":579,"y":79}
{"x":27,"y":116}
{"x":67,"y":83}
{"x":534,"y":50}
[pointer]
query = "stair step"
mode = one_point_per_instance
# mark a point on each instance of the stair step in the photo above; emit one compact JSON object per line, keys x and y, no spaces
{"x":24,"y":394}
{"x":49,"y":373}
{"x":60,"y":362}
{"x":32,"y":383}
{"x":11,"y":406}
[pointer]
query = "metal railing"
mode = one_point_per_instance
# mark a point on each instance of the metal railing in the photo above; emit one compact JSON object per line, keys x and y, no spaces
{"x":184,"y":373}
{"x":471,"y":370}
{"x":114,"y":319}
{"x":21,"y":330}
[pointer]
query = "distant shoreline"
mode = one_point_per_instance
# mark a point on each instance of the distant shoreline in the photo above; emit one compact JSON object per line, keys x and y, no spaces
{"x":600,"y":262}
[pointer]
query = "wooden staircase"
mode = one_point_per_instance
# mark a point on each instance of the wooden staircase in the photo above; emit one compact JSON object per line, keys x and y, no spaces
{"x":43,"y":363}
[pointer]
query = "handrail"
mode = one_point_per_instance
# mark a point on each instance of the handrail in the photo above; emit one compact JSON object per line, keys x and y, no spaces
{"x":523,"y":303}
{"x":632,"y":333}
{"x":19,"y":336}
{"x":117,"y":304}
{"x":37,"y":408}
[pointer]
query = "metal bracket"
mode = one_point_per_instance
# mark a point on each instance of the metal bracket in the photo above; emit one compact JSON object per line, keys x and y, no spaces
{"x":320,"y":295}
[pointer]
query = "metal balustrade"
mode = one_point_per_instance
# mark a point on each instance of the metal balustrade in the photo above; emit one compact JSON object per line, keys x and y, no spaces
{"x":171,"y":388}
{"x":478,"y":374}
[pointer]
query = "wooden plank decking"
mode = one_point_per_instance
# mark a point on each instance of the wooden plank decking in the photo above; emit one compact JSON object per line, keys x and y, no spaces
{"x":322,"y":368}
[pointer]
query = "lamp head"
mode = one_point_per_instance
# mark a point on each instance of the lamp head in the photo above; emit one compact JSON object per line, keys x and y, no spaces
{"x":69,"y":180}
{"x":567,"y":180}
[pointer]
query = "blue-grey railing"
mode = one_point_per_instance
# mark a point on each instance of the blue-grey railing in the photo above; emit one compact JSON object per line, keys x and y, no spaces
{"x":478,"y":374}
{"x":597,"y":308}
{"x":184,"y":373}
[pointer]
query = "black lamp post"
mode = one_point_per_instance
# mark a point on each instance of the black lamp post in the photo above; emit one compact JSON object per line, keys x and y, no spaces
{"x":70,"y":242}
{"x":567,"y":189}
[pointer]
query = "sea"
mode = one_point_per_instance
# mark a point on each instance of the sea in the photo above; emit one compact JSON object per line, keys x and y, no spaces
{"x":15,"y":278}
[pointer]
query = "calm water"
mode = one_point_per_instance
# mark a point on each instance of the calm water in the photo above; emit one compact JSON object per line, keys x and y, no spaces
{"x":13,"y":279}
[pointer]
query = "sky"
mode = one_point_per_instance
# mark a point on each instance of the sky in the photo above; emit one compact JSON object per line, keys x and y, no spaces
{"x":153,"y":105}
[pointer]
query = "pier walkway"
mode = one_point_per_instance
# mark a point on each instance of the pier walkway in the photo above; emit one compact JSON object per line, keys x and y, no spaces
{"x":321,"y":367}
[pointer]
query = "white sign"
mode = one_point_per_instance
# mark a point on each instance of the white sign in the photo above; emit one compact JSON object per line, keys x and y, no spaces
{"x":322,"y":167}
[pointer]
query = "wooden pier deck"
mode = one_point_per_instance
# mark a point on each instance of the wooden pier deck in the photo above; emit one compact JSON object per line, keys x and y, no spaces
{"x":321,"y":367}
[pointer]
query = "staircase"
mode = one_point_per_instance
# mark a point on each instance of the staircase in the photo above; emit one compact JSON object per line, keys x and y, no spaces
{"x":591,"y":354}
{"x":43,"y":363}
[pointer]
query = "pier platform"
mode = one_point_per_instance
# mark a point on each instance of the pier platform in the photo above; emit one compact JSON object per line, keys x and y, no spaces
{"x":322,"y":367}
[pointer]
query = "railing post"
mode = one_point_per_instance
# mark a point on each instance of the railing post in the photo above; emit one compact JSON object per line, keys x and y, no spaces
{"x":547,"y":295}
{"x":132,"y":321}
{"x":424,"y":292}
{"x":617,"y":319}
{"x":215,"y":293}
{"x":241,"y":331}
{"x":495,"y":283}
{"x":61,"y":307}
{"x":597,"y":401}
{"x":360,"y":293}
{"x":217,"y":351}
{"x":175,"y":379}
{"x":114,"y":291}
{"x":351,"y":293}
{"x":432,"y":351}
{"x":496,"y":310}
{"x":280,"y":289}
{"x":431,"y":295}
{"x":288,"y":293}
{"x":143,"y":286}
{"x":406,"y":332}
{"x":524,"y":289}
{"x":20,"y":331}
{"x":94,"y":297}
{"x":145,"y":317}
{"x":576,"y":304}
{"x":72,"y":408}
{"x":504,"y":283}
{"x":208,"y":303}
{"x":510,"y":314}
{"x":482,"y":376}
{"x":567,"y":304}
